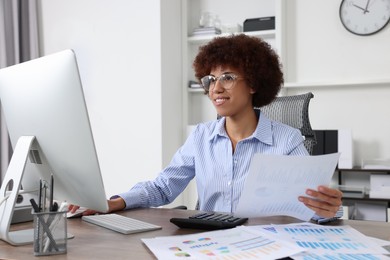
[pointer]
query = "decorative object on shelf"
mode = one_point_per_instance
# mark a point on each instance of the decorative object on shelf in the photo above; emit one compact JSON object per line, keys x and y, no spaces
{"x":209,"y":23}
{"x":259,"y":24}
{"x":364,"y":17}
{"x":206,"y":20}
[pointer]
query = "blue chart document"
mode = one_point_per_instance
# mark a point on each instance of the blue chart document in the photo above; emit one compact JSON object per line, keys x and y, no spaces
{"x":275,"y":182}
{"x":328,"y":242}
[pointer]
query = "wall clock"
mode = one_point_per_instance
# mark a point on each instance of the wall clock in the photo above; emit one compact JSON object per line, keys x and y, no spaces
{"x":364,"y":17}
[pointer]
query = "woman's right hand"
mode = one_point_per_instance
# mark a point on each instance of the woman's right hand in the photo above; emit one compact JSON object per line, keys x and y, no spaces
{"x":116,"y":204}
{"x":72,"y":209}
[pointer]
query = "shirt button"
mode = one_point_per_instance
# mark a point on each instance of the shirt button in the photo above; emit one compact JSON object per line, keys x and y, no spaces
{"x":229,"y":183}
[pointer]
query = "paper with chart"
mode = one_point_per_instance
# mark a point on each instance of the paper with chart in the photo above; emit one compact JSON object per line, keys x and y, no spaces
{"x":275,"y":182}
{"x":236,"y":243}
{"x":327,"y":242}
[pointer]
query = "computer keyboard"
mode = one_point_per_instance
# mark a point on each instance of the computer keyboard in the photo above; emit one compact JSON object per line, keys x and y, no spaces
{"x":209,"y":221}
{"x":121,"y":224}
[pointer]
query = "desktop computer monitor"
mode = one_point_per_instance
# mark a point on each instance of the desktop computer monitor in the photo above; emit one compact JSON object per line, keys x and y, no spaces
{"x":47,"y":119}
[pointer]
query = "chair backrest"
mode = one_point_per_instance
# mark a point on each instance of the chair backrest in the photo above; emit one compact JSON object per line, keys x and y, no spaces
{"x":293,"y":111}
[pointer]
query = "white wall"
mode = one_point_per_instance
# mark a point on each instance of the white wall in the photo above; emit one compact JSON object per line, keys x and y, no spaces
{"x":171,"y":76}
{"x":126,"y":64}
{"x":320,"y":50}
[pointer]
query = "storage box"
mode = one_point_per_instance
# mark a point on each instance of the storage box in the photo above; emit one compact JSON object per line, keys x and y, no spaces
{"x":380,"y":186}
{"x":370,"y":211}
{"x":259,"y":24}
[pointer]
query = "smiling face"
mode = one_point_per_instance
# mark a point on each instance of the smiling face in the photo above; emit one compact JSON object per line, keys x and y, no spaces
{"x":248,"y":54}
{"x":234,"y":101}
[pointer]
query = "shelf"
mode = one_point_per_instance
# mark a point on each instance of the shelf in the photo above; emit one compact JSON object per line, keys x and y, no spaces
{"x":204,"y":38}
{"x":359,"y":169}
{"x":196,"y":90}
{"x":359,"y":193}
{"x":360,"y":83}
{"x":366,"y":198}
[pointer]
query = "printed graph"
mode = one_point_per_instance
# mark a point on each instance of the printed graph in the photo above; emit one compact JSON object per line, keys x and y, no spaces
{"x":341,"y":256}
{"x":332,"y":241}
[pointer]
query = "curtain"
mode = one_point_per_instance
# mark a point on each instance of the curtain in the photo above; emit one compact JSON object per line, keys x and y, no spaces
{"x":18,"y":43}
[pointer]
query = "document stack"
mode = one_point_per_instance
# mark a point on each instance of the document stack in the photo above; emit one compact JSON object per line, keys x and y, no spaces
{"x":297,"y":240}
{"x":206,"y":31}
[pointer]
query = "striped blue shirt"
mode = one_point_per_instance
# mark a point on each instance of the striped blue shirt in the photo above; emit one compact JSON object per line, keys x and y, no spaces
{"x":207,"y":156}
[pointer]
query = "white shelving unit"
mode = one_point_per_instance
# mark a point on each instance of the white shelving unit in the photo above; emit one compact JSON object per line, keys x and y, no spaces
{"x":266,"y":34}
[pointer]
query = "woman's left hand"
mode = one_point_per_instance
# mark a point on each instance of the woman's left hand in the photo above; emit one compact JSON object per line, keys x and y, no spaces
{"x":325,"y":201}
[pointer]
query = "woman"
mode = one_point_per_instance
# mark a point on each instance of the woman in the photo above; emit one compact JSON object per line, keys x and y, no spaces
{"x":238,"y":73}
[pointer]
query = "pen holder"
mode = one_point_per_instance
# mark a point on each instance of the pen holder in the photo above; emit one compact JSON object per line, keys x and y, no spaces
{"x":50,"y":233}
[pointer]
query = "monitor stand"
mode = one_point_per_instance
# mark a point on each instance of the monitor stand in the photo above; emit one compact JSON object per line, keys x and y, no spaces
{"x":14,"y":177}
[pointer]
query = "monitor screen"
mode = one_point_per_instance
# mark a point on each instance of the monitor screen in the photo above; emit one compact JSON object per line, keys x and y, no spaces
{"x":44,"y":98}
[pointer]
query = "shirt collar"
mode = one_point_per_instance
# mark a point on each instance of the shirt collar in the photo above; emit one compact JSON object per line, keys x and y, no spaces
{"x":263,"y":131}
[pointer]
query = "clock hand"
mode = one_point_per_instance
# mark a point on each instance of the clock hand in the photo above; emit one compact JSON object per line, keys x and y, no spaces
{"x":366,"y":9}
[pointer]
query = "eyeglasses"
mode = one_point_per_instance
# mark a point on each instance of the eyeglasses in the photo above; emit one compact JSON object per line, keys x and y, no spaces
{"x":226,"y":81}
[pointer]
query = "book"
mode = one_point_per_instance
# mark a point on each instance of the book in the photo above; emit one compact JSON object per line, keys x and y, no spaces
{"x":206,"y":30}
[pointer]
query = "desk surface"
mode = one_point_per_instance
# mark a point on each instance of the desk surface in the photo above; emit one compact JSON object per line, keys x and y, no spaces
{"x":94,"y":242}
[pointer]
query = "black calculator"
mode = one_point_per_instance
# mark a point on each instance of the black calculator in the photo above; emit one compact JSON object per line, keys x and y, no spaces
{"x":209,"y":221}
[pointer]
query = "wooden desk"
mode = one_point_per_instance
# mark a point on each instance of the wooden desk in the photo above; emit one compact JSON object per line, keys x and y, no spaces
{"x":94,"y":242}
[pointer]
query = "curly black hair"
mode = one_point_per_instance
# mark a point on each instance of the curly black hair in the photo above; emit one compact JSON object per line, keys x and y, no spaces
{"x":251,"y":55}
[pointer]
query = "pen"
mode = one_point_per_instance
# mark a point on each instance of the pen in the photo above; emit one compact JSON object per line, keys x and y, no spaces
{"x":40,"y":195}
{"x":34,"y":205}
{"x":51,"y":192}
{"x":44,"y":186}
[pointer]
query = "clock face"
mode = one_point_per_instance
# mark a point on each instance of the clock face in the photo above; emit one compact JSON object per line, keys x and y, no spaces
{"x":365,"y":17}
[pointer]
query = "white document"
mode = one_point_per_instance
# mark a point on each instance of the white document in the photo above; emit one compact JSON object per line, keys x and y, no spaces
{"x":328,"y":242}
{"x":275,"y":182}
{"x":236,"y":243}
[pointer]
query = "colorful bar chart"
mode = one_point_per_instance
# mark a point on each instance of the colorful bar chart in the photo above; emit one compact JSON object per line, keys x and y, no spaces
{"x":328,"y":242}
{"x":341,"y":256}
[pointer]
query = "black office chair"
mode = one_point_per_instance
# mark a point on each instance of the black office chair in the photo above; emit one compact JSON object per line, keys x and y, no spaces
{"x":293,"y":111}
